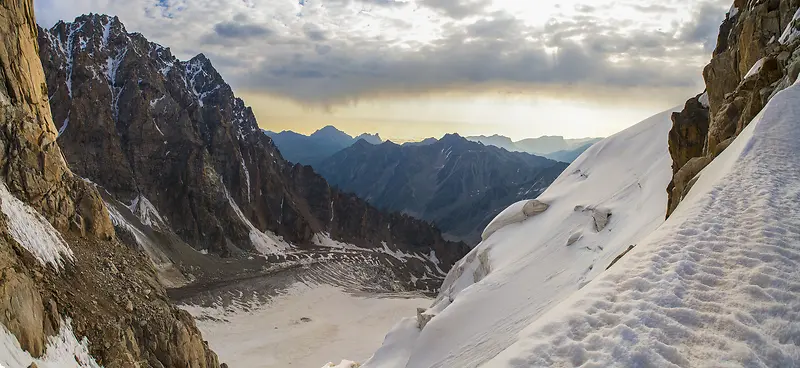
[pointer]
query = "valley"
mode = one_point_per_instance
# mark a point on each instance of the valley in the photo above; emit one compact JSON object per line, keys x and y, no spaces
{"x":150,"y":218}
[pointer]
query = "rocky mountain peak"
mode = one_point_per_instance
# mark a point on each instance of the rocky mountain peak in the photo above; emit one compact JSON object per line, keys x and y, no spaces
{"x":149,"y":128}
{"x":371,"y":138}
{"x":452,"y":138}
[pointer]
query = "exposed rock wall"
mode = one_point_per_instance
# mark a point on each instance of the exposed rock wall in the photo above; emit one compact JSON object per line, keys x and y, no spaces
{"x":142,"y":124}
{"x":109,"y":291}
{"x":756,"y":57}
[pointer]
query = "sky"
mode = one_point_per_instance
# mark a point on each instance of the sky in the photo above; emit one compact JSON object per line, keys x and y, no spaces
{"x":410,"y":69}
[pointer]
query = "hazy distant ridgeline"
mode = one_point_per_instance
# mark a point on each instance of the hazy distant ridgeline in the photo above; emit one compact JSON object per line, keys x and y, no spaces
{"x":458,"y":184}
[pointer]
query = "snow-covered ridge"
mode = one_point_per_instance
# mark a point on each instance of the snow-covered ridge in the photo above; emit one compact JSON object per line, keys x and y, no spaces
{"x":716,"y":285}
{"x":32,"y":231}
{"x":608,"y":199}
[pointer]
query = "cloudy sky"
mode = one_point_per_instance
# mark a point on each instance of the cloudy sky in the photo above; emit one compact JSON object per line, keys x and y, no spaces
{"x":416,"y":68}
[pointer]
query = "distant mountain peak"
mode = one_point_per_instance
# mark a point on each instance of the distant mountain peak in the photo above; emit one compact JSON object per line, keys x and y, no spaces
{"x":331,"y":132}
{"x":452,"y":137}
{"x":371,"y":138}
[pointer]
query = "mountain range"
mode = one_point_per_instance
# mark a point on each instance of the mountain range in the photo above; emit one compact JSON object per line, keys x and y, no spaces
{"x":323,"y":143}
{"x":457,"y":184}
{"x":554,"y":147}
{"x":607,"y":268}
{"x":184,"y":168}
{"x":311,"y":149}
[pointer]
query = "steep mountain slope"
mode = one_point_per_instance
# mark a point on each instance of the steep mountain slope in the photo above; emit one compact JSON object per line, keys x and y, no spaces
{"x":714,"y":285}
{"x":457,"y":184}
{"x":71,"y":295}
{"x":550,"y":144}
{"x":538,"y":252}
{"x":185,"y":165}
{"x":312,"y":149}
{"x":756,"y":57}
{"x":568,"y":155}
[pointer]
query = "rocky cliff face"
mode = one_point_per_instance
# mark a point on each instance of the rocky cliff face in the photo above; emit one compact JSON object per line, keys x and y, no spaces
{"x":170,"y":142}
{"x":756,"y":57}
{"x":458,"y":184}
{"x":61,"y":264}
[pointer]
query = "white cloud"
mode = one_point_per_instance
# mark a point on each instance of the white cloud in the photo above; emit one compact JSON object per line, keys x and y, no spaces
{"x":315,"y":50}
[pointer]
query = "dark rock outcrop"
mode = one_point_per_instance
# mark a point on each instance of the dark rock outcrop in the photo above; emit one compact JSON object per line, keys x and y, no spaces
{"x":687,"y":139}
{"x":753,"y":60}
{"x":104,"y":290}
{"x":169,"y":137}
{"x":458,"y":184}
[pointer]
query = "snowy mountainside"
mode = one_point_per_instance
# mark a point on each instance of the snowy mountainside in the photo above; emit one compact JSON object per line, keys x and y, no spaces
{"x":716,"y":285}
{"x":608,"y":199}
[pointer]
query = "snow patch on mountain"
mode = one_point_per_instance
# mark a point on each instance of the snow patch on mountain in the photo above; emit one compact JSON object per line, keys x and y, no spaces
{"x":62,"y":351}
{"x":146,"y":212}
{"x":611,"y":196}
{"x":792,"y":30}
{"x":264,"y":242}
{"x":32,"y":231}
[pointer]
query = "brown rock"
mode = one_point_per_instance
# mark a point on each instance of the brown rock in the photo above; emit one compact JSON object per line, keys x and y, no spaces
{"x":682,"y":178}
{"x":35,"y":172}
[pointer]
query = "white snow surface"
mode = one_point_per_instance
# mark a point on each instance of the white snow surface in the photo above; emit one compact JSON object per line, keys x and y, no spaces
{"x":274,"y":335}
{"x":792,"y":30}
{"x":344,"y":364}
{"x":63,"y":126}
{"x":717,"y":285}
{"x":733,"y":11}
{"x":32,"y":231}
{"x":703,"y":99}
{"x":526,"y":267}
{"x":755,"y":68}
{"x":146,"y":212}
{"x":325,"y":240}
{"x":264,"y":242}
{"x":62,"y":351}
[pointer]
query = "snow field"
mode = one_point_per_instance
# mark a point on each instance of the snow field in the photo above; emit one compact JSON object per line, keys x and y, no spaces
{"x":308,"y":326}
{"x":608,"y":199}
{"x":717,"y":285}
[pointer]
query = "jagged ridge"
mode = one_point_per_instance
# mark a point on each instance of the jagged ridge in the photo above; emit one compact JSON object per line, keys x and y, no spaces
{"x":146,"y":126}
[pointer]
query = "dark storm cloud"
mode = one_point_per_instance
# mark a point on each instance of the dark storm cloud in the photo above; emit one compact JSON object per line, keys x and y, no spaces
{"x":233,"y":29}
{"x":704,"y":26}
{"x":495,"y":51}
{"x":337,"y":50}
{"x":314,"y":33}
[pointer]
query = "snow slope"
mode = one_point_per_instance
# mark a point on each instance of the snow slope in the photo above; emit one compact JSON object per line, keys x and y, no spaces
{"x":32,"y":231}
{"x":62,"y":351}
{"x":609,"y":198}
{"x":307,"y":326}
{"x":717,"y":285}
